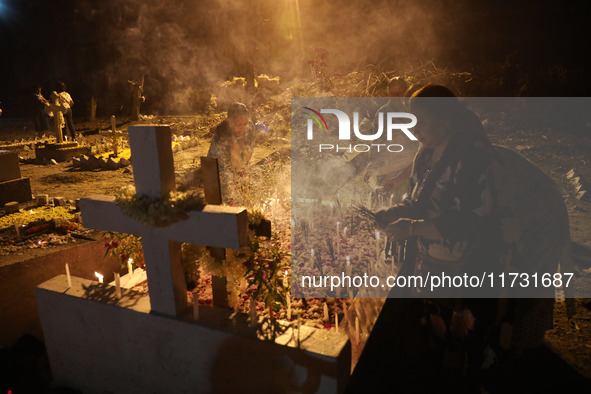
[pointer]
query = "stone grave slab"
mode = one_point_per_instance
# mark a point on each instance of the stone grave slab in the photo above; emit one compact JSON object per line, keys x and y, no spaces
{"x":99,"y":343}
{"x":9,"y":166}
{"x":63,"y":151}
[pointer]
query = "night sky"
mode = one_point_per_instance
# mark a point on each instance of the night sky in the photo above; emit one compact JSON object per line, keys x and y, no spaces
{"x":184,"y":47}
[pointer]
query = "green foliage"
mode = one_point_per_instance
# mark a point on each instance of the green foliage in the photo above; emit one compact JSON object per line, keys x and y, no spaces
{"x":267,"y":272}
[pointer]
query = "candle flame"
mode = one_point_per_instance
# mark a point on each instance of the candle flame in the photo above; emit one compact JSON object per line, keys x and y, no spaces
{"x":404,"y":195}
{"x":31,"y":211}
{"x":99,"y":276}
{"x":347,"y":259}
{"x":130,"y":260}
{"x":377,"y":235}
{"x":312,"y":252}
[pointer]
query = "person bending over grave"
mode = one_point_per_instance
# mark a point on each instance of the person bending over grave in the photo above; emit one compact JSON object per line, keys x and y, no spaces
{"x":232,"y":145}
{"x":450,"y":224}
{"x":67,"y":102}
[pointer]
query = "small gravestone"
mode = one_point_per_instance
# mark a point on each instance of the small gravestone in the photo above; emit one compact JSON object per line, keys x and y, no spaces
{"x":64,"y":151}
{"x":42,"y":200}
{"x":11,"y":207}
{"x":13,"y":187}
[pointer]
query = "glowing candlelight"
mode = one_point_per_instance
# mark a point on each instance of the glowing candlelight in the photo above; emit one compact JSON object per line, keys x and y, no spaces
{"x":117,"y":285}
{"x":130,"y":266}
{"x":312,"y":252}
{"x":252,"y":311}
{"x":69,"y":278}
{"x":338,"y":239}
{"x":377,"y":245}
{"x":391,"y":197}
{"x":299,"y":327}
{"x":99,"y":276}
{"x":326,"y":318}
{"x":345,"y":232}
{"x":348,"y":267}
{"x":404,"y":196}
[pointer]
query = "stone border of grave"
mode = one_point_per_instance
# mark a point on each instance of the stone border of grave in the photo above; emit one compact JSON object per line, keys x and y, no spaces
{"x":99,"y":342}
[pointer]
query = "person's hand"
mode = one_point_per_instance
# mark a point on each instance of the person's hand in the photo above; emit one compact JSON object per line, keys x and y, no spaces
{"x":386,"y":216}
{"x":383,"y":218}
{"x":400,"y":230}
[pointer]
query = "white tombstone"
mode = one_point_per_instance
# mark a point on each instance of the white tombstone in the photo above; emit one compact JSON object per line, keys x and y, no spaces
{"x":153,"y":170}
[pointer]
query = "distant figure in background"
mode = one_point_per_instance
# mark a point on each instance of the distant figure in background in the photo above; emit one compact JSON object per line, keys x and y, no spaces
{"x":40,"y":117}
{"x":232,"y":144}
{"x":66,"y":101}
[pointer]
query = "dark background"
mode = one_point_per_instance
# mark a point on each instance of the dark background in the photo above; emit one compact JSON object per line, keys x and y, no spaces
{"x":185,"y":47}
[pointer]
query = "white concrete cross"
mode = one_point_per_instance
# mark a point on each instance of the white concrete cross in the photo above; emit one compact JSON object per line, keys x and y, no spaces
{"x":54,"y":110}
{"x":153,"y":172}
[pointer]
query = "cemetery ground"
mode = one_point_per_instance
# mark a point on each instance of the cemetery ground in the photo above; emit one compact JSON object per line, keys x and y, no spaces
{"x":557,"y":154}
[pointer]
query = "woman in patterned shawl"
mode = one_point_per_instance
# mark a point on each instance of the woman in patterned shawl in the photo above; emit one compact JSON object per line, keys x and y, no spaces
{"x":449,"y":219}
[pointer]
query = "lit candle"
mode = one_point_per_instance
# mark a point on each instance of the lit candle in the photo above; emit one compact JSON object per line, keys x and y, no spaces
{"x":391,"y":197}
{"x":195,"y":306}
{"x":252,"y":311}
{"x":299,"y":328}
{"x":345,"y":232}
{"x":130,"y":266}
{"x":68,"y":277}
{"x":117,"y":285}
{"x":326,"y":313}
{"x":99,"y":276}
{"x":377,"y":245}
{"x":348,"y":267}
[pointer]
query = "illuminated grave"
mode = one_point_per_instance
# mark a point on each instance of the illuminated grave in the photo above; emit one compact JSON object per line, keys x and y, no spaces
{"x":98,"y":340}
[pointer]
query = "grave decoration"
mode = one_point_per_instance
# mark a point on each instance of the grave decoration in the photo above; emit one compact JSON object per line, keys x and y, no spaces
{"x":39,"y":227}
{"x":60,"y":151}
{"x":156,"y":342}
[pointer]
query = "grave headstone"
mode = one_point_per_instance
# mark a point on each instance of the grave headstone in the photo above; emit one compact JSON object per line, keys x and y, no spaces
{"x":13,"y":187}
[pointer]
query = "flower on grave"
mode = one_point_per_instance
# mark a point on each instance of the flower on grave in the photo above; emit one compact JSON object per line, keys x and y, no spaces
{"x":157,"y":212}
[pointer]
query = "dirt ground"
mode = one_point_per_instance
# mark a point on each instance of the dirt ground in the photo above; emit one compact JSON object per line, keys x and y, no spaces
{"x":556,"y":154}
